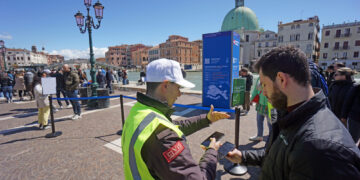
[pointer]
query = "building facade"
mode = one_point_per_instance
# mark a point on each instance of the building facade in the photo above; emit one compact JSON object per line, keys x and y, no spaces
{"x":154,"y":53}
{"x":302,"y":34}
{"x":54,"y":59}
{"x":180,"y":49}
{"x":140,"y":57}
{"x":266,"y":41}
{"x":117,"y":55}
{"x":341,"y":43}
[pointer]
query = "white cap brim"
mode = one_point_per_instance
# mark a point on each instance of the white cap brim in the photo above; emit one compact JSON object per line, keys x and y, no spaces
{"x":184,"y":83}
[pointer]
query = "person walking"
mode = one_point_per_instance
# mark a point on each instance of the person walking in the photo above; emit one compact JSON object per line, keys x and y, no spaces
{"x":120,"y":75}
{"x":261,"y":111}
{"x":42,"y":103}
{"x":244,"y":73}
{"x":109,"y":79}
{"x":60,"y":85}
{"x":100,"y":79}
{"x":20,"y":84}
{"x":72,"y":81}
{"x":307,"y":141}
{"x":339,"y":89}
{"x":29,"y":81}
{"x":7,"y":86}
{"x":124,"y":77}
{"x":154,"y":146}
{"x":82,"y":77}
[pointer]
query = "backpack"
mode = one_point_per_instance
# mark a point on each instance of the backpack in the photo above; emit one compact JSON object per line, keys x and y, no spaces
{"x":317,"y":79}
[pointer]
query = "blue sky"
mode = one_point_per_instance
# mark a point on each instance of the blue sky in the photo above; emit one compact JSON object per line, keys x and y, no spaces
{"x":51,"y":23}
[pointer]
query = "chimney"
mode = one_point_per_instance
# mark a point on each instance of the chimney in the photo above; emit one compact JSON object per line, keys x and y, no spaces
{"x":33,"y":49}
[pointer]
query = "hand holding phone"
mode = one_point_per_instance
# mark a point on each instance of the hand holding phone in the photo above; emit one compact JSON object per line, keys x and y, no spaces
{"x":216,"y":135}
{"x":224,"y":149}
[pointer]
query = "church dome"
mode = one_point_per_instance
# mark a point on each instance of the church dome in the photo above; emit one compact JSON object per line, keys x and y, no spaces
{"x":240,"y":17}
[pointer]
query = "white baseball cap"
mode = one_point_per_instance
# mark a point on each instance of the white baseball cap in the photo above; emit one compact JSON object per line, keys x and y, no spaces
{"x":166,"y":69}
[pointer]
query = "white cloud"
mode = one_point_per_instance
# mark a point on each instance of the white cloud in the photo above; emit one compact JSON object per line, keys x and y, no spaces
{"x":5,"y":36}
{"x":75,"y":53}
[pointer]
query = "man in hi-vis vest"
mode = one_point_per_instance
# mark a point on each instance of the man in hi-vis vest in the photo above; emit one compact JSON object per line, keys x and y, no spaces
{"x":154,"y":146}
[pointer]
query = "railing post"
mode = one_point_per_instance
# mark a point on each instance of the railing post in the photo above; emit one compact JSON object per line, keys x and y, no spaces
{"x":236,"y":169}
{"x":53,"y":133}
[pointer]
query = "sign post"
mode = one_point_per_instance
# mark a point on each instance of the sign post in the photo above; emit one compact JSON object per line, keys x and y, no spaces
{"x":221,"y":53}
{"x":49,"y":88}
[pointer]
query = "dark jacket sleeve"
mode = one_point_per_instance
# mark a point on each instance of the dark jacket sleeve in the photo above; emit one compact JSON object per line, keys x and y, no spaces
{"x":348,"y":103}
{"x":253,"y":157}
{"x":321,"y":159}
{"x":183,"y":166}
{"x":193,"y":124}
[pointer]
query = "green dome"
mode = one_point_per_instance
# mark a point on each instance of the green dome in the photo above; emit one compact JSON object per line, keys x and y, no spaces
{"x":240,"y":17}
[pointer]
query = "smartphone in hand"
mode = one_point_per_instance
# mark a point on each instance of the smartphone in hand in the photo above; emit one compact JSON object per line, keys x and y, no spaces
{"x":216,"y":135}
{"x":224,"y":149}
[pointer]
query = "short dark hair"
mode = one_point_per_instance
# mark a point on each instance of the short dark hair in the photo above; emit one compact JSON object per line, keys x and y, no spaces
{"x":244,"y":69}
{"x":331,"y":67}
{"x":289,"y":60}
{"x":151,"y":87}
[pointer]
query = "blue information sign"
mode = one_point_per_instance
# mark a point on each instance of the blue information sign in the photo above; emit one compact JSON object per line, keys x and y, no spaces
{"x":220,"y":66}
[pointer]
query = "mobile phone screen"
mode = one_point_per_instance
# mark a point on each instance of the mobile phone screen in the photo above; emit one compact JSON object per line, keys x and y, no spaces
{"x":216,"y":135}
{"x":224,"y":149}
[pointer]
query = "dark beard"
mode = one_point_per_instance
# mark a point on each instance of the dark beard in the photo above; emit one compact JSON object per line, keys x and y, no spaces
{"x":278,"y":99}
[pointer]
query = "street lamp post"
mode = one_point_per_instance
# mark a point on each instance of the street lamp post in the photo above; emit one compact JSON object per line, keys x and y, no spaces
{"x":3,"y":50}
{"x":89,"y":23}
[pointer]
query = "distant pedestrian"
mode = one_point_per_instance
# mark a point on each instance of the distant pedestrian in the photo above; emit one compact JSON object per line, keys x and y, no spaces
{"x":7,"y":86}
{"x":339,"y":89}
{"x":42,"y":103}
{"x":60,"y":88}
{"x":100,"y":79}
{"x":72,"y":81}
{"x":109,"y":79}
{"x":29,"y":81}
{"x":20,"y":84}
{"x":82,"y":77}
{"x":244,"y":73}
{"x":120,"y":74}
{"x":262,"y":113}
{"x":125,"y":77}
{"x":142,"y":77}
{"x":331,"y":72}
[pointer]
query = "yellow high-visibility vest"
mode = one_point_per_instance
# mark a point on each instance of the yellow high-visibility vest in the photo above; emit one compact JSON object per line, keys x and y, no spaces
{"x":139,"y":125}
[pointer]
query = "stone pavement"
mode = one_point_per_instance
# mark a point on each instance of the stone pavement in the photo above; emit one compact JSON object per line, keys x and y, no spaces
{"x":90,"y":148}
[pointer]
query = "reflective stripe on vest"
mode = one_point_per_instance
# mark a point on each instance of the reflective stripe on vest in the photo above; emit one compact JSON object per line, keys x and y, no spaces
{"x":141,"y":123}
{"x":132,"y":160}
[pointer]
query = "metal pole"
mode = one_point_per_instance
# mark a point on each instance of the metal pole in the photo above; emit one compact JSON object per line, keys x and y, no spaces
{"x":122,"y":110}
{"x":237,"y":126}
{"x":122,"y":114}
{"x":93,"y":102}
{"x":236,"y":169}
{"x":53,"y":133}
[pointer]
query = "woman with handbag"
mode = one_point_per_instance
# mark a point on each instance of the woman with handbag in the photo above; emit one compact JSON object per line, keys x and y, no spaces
{"x":261,"y":111}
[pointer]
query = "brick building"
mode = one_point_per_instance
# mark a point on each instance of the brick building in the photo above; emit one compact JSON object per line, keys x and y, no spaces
{"x":180,"y":49}
{"x":140,"y":57}
{"x":122,"y":55}
{"x":117,"y":55}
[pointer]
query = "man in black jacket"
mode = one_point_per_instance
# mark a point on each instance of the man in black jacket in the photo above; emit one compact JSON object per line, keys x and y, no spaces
{"x":307,"y":141}
{"x":244,"y":73}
